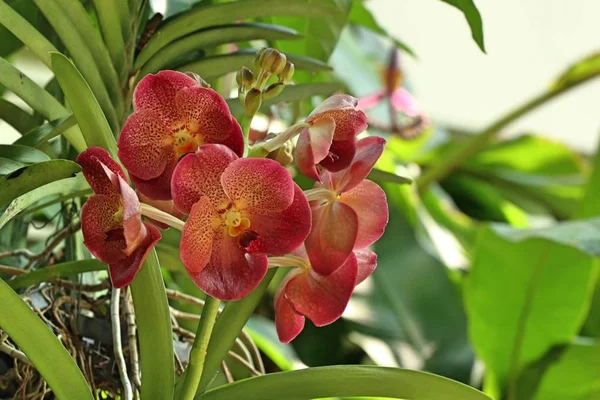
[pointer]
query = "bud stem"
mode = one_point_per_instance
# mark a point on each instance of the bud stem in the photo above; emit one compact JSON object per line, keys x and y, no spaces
{"x":284,"y":136}
{"x":161,"y":216}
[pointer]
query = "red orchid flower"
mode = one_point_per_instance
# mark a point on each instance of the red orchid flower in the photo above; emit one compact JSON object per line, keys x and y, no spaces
{"x":167,"y":206}
{"x":348,"y":211}
{"x":173,"y":115}
{"x":241,"y":209}
{"x":111,"y":222}
{"x":322,"y":299}
{"x":330,"y":138}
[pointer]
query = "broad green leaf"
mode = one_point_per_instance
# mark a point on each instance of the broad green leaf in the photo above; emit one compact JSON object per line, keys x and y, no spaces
{"x":204,"y":16}
{"x":41,"y":134}
{"x":86,"y":109}
{"x":8,"y":166}
{"x":212,"y":37}
{"x":263,"y":333}
{"x":26,"y":10}
{"x":213,"y":67}
{"x":73,"y":185}
{"x":61,"y":270}
{"x":81,"y":53}
{"x":348,"y":380}
{"x":33,"y":176}
{"x":290,"y":94}
{"x":575,"y":376}
{"x":379,"y":175}
{"x":473,"y":18}
{"x":320,"y":33}
{"x":590,"y":206}
{"x":38,"y":99}
{"x":524,"y":295}
{"x":16,"y":117}
{"x":23,"y":154}
{"x":154,"y":331}
{"x":360,"y":15}
{"x":110,"y":24}
{"x":43,"y":348}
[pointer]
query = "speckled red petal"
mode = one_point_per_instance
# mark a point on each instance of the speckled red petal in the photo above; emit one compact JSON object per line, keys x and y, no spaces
{"x":158,"y":188}
{"x":341,"y":154}
{"x":348,"y":123}
{"x":370,"y":204}
{"x":258,"y":185}
{"x":323,"y":299}
{"x":231,"y":273}
{"x":313,"y":146}
{"x":367,"y":262}
{"x":145,"y":145}
{"x":338,"y":101}
{"x":124,"y":271}
{"x":282,"y":233}
{"x":197,"y":236}
{"x":91,"y":160}
{"x":368,"y":151}
{"x":207,"y":117}
{"x":288,"y":322}
{"x":102,"y":233}
{"x":199,"y":174}
{"x":330,"y":243}
{"x":133,"y":228}
{"x":156,"y":93}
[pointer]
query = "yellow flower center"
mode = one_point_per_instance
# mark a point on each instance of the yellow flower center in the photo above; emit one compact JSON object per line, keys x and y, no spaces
{"x":235,"y":222}
{"x":185,"y":142}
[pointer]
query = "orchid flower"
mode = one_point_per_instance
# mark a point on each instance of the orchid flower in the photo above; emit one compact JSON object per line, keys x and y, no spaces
{"x":240,"y":211}
{"x":111,"y":222}
{"x":322,"y":299}
{"x":173,"y":115}
{"x":348,"y":211}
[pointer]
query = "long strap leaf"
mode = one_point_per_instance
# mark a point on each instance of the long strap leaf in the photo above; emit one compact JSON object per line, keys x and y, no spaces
{"x":44,"y":350}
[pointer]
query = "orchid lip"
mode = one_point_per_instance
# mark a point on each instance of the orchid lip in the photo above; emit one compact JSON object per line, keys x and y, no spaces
{"x":321,"y":194}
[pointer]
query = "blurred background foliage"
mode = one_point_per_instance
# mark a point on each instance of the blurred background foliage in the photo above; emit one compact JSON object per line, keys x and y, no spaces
{"x":488,"y":269}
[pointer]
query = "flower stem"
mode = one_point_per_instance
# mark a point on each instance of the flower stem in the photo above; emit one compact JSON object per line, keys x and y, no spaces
{"x":198,"y":352}
{"x":245,"y":125}
{"x":448,"y":164}
{"x":161,"y":216}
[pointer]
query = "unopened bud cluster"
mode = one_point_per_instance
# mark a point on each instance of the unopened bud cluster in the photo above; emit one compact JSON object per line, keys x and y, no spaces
{"x":268,"y":62}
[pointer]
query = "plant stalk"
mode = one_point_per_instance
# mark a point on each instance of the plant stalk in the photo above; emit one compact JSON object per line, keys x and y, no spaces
{"x":198,"y":352}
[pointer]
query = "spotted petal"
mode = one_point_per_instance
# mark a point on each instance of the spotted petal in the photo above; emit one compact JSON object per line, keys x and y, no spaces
{"x":288,"y":322}
{"x":313,"y":146}
{"x":197,"y":236}
{"x":102,"y":232}
{"x":199,"y":174}
{"x":333,"y":235}
{"x":323,"y":299}
{"x":349,"y":120}
{"x":91,"y":161}
{"x":370,"y":205}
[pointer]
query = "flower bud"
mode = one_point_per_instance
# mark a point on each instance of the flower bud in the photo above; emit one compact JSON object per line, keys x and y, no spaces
{"x":287,"y":73}
{"x":244,"y":78}
{"x":283,"y":155}
{"x":273,"y":90}
{"x":272,"y":61}
{"x":257,"y":56}
{"x":253,"y":101}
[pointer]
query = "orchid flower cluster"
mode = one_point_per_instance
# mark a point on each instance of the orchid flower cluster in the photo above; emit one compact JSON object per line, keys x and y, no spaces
{"x":184,"y":152}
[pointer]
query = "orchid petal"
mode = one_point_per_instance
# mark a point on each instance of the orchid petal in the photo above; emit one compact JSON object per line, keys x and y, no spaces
{"x":199,"y":174}
{"x":208,"y":119}
{"x":102,"y":232}
{"x":313,"y":146}
{"x":231,"y":273}
{"x":258,"y":185}
{"x":370,"y":205}
{"x":288,"y":322}
{"x":91,"y":161}
{"x":403,"y":101}
{"x":158,"y":188}
{"x":341,"y":154}
{"x":197,"y":235}
{"x":370,"y":101}
{"x":146,"y":145}
{"x":367,"y":262}
{"x":323,"y":299}
{"x":333,"y":235}
{"x":338,"y":101}
{"x":282,"y":233}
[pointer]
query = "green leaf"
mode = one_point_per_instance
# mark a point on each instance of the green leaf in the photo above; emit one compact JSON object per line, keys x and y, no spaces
{"x":360,"y":15}
{"x":575,"y":376}
{"x":44,"y":350}
{"x":8,"y":166}
{"x":384,"y":176}
{"x":213,"y":37}
{"x":86,"y":109}
{"x":60,"y":187}
{"x":263,"y":333}
{"x":473,"y":17}
{"x":321,"y":32}
{"x":47,"y":131}
{"x":348,"y":380}
{"x":31,"y":177}
{"x":213,"y":67}
{"x":581,"y":71}
{"x":110,"y":23}
{"x":154,"y":331}
{"x":55,"y":271}
{"x":81,"y":53}
{"x":589,"y":205}
{"x":290,"y":94}
{"x":16,"y":117}
{"x":550,"y":286}
{"x":207,"y":15}
{"x":37,"y":98}
{"x":23,"y":154}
